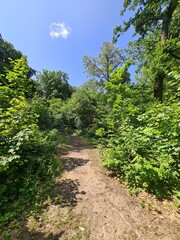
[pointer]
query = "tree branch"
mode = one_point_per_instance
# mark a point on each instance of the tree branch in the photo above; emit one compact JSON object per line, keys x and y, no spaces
{"x":101,"y":72}
{"x":147,"y":20}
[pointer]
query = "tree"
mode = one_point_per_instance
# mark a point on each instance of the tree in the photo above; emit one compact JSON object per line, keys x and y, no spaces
{"x":27,"y":155}
{"x":14,"y":81}
{"x":140,"y":139}
{"x":54,"y":84}
{"x":7,"y":54}
{"x":157,"y":18}
{"x":110,"y":58}
{"x":80,"y":110}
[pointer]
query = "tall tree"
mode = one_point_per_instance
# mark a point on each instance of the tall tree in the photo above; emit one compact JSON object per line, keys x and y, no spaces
{"x":54,"y":84}
{"x":7,"y":54}
{"x":151,"y":16}
{"x":14,"y":82}
{"x":108,"y":60}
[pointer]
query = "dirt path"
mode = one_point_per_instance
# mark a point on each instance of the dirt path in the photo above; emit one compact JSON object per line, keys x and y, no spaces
{"x":108,"y":210}
{"x":90,"y":205}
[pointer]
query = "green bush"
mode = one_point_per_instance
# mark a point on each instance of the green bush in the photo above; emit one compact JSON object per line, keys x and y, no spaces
{"x":28,"y":158}
{"x":148,"y":156}
{"x":141,"y":138}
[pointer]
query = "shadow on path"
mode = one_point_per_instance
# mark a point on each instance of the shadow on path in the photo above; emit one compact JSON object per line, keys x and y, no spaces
{"x":43,"y":236}
{"x":75,"y":145}
{"x":70,"y":163}
{"x":68,"y":190}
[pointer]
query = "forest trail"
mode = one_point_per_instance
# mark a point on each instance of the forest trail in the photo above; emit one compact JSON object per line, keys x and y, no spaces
{"x":88,"y":204}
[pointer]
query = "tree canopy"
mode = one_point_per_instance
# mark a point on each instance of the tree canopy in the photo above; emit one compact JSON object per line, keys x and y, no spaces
{"x":54,"y":84}
{"x":108,"y":60}
{"x":156,"y":24}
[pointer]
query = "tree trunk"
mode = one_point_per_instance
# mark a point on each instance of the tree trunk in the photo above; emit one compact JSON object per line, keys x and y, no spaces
{"x":158,"y":86}
{"x":159,"y":79}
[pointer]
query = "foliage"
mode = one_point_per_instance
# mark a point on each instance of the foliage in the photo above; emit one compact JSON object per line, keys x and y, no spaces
{"x":14,"y":82}
{"x":155,"y":24}
{"x":139,"y":133}
{"x":9,"y":55}
{"x":100,"y":68}
{"x":54,"y":84}
{"x":25,"y":152}
{"x":27,"y":155}
{"x":145,"y":15}
{"x":77,"y":114}
{"x":41,"y":107}
{"x":8,"y":52}
{"x":80,"y":110}
{"x":142,"y":143}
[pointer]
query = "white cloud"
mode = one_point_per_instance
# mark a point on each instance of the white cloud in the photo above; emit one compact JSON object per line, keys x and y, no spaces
{"x":58,"y":30}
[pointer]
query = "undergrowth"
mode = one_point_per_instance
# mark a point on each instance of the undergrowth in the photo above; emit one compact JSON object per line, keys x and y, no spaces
{"x":26,"y":183}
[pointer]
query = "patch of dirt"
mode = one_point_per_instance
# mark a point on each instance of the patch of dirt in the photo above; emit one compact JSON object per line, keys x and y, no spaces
{"x":88,"y":204}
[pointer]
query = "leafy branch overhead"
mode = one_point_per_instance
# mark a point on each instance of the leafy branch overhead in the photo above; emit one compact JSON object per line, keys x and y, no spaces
{"x":157,"y":18}
{"x":147,"y":16}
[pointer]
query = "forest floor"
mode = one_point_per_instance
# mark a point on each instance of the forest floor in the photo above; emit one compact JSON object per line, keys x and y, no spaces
{"x":88,"y":203}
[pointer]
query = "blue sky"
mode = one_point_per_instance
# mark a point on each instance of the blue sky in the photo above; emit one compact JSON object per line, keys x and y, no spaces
{"x":56,"y":34}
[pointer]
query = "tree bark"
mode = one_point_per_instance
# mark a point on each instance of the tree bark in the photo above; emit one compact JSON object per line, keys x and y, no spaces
{"x":158,"y":87}
{"x":159,"y":79}
{"x":167,"y":19}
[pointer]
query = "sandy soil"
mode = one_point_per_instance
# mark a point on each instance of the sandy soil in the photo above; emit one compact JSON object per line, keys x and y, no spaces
{"x":88,"y":204}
